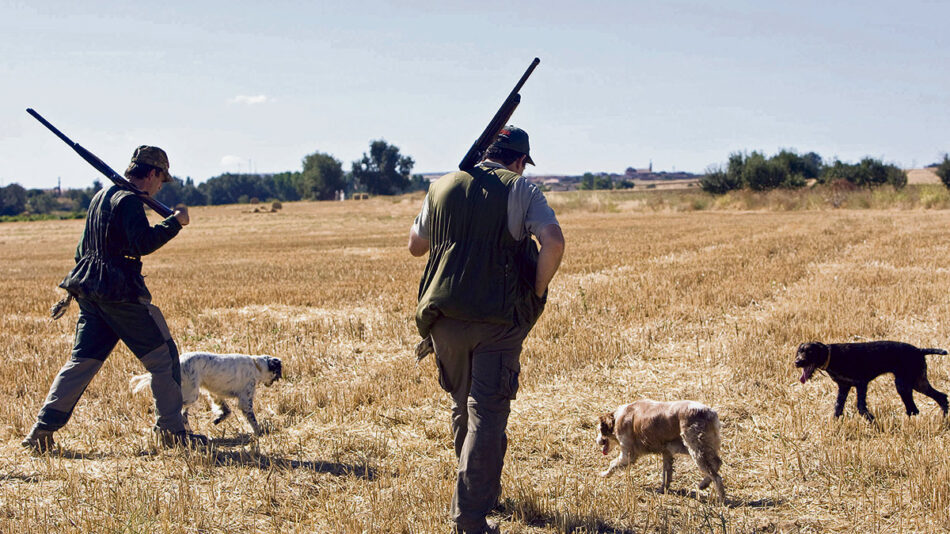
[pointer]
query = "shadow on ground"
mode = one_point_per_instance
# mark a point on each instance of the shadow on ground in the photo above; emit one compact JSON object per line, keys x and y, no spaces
{"x":68,"y":454}
{"x":532,"y":516}
{"x":218,"y":456}
{"x":731,"y":502}
{"x":222,"y":458}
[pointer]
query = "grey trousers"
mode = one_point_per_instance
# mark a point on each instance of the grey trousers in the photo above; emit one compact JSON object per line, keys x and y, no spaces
{"x":142,"y":328}
{"x":479,"y":366}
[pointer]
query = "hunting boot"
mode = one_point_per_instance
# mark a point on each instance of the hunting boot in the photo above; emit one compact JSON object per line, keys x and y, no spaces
{"x":180,"y":439}
{"x":490,"y":527}
{"x":38,"y":439}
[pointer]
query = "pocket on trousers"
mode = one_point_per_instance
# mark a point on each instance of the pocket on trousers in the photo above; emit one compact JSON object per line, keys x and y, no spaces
{"x":510,"y":369}
{"x":443,"y":380}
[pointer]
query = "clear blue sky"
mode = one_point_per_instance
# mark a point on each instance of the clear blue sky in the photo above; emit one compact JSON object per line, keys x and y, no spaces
{"x":228,"y":86}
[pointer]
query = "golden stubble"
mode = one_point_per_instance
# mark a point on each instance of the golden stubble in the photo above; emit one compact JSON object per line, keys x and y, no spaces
{"x":663,"y":304}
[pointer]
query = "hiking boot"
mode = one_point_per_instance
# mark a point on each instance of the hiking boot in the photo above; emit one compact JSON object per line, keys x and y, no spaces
{"x":491,"y":527}
{"x":39,"y":440}
{"x":181,"y":439}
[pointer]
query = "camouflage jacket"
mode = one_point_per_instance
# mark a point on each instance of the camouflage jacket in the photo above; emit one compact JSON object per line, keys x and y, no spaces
{"x":108,"y":257}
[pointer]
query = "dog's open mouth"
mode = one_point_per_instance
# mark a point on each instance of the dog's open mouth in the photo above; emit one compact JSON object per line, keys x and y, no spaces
{"x":807,"y":371}
{"x":606,"y":447}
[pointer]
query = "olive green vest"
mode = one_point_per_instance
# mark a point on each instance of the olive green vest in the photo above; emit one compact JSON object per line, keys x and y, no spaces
{"x":476,"y":270}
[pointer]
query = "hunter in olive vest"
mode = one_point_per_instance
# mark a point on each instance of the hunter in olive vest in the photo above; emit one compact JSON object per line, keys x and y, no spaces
{"x":476,"y":271}
{"x":483,"y":288}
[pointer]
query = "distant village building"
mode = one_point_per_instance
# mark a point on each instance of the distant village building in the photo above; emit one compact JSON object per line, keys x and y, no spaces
{"x":632,"y":173}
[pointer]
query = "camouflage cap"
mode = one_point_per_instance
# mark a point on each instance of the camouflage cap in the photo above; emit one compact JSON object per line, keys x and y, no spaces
{"x":152,"y":156}
{"x":514,"y":138}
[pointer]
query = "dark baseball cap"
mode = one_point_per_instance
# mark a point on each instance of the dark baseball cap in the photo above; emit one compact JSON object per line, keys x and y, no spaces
{"x":514,"y":138}
{"x":152,"y":156}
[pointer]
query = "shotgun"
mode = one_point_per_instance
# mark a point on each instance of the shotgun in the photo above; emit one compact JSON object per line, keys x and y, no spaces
{"x":474,"y":154}
{"x":100,"y":166}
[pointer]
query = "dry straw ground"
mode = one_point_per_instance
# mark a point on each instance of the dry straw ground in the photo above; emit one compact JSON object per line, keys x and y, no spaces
{"x":651,"y":302}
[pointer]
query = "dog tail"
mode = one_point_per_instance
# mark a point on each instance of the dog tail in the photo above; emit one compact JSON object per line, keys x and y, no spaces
{"x":933,"y":351}
{"x":140,"y":382}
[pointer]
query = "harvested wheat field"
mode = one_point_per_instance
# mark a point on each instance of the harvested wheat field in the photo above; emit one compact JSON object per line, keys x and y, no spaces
{"x":704,"y":305}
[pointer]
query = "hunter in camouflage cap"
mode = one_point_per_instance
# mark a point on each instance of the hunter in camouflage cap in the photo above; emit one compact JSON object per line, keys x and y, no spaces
{"x":153,"y":157}
{"x":514,"y":138}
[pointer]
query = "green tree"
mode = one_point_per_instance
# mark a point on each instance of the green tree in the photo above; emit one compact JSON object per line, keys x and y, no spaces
{"x":806,"y":167}
{"x":812,"y":164}
{"x":231,"y":188}
{"x":383,"y":171}
{"x":39,"y":201}
{"x":170,"y":194}
{"x":181,"y":192}
{"x":735,"y":168}
{"x":896,"y":176}
{"x":839,"y":170}
{"x":191,"y":195}
{"x":587,"y":181}
{"x":718,"y":181}
{"x":12,"y":199}
{"x":943,"y":170}
{"x":603,"y":182}
{"x":286,"y":186}
{"x":418,"y":183}
{"x":321,"y":178}
{"x":868,"y":173}
{"x":762,"y":174}
{"x":798,"y":169}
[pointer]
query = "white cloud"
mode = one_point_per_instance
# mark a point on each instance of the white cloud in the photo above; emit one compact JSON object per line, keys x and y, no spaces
{"x":250,"y":99}
{"x":230,"y":160}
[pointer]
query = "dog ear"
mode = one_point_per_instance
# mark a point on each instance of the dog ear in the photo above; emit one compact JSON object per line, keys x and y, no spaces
{"x":274,"y":366}
{"x":607,"y":424}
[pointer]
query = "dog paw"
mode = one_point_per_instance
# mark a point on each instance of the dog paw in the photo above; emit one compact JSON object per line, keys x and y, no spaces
{"x":605,"y":474}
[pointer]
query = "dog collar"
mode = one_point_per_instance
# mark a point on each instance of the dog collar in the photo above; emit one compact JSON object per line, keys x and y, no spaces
{"x":828,"y":361}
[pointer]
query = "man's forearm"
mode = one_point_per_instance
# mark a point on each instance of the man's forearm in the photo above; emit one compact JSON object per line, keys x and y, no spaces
{"x":549,"y":257}
{"x":418,"y":246}
{"x":142,"y":237}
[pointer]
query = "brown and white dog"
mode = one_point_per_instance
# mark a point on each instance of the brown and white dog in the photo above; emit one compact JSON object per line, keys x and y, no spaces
{"x":667,"y":428}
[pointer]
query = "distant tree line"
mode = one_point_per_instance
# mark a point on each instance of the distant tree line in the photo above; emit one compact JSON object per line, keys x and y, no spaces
{"x":15,"y":200}
{"x":383,"y":170}
{"x":590,"y":181}
{"x":791,"y":170}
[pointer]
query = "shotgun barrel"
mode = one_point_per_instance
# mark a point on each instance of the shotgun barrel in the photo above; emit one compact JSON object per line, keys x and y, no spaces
{"x":475,"y":153}
{"x":101,"y":166}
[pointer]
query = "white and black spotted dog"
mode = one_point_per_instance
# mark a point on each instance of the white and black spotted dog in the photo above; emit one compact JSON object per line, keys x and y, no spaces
{"x":221,"y":376}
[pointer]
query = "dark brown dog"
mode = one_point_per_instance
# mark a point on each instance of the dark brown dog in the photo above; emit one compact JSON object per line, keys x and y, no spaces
{"x":856,"y":364}
{"x":667,"y":428}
